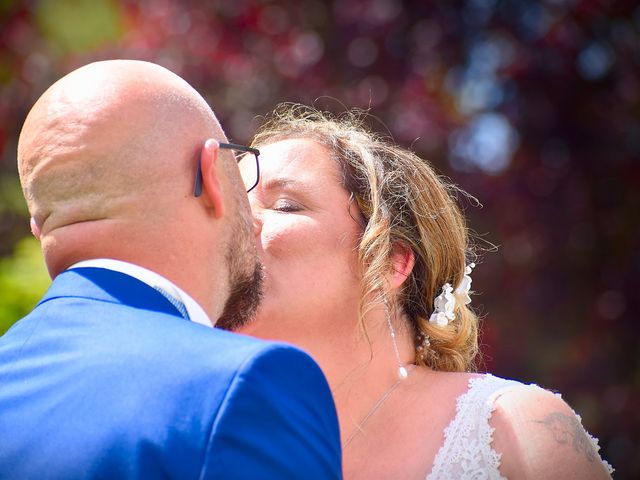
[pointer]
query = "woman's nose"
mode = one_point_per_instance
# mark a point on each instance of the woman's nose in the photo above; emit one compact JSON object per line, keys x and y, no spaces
{"x":257,"y":220}
{"x":257,"y":226}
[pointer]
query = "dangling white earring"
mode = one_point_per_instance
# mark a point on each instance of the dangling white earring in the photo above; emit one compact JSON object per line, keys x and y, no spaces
{"x":402,"y":370}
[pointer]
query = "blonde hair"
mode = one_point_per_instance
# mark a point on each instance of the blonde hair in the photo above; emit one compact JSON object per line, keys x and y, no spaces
{"x":403,"y":201}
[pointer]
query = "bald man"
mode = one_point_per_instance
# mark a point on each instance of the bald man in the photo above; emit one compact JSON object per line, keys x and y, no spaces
{"x":117,"y":372}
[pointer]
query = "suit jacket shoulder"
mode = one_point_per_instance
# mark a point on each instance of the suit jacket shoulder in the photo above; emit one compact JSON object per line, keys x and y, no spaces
{"x":104,"y":379}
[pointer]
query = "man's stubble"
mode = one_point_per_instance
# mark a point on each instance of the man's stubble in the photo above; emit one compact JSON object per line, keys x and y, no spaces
{"x":245,"y":277}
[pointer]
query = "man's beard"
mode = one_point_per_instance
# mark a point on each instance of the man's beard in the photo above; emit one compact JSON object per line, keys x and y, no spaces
{"x":245,"y":273}
{"x":245,"y":294}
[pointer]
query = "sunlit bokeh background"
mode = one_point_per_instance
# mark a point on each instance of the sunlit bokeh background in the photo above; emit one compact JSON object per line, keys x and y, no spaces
{"x":531,"y":106}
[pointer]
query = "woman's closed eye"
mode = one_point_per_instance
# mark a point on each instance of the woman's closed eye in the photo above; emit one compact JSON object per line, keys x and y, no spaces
{"x":286,"y":205}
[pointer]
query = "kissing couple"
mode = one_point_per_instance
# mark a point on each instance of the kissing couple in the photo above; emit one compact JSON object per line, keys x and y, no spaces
{"x":158,"y":352}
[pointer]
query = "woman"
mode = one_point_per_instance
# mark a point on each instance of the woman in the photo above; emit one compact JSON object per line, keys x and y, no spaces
{"x":368,"y":266}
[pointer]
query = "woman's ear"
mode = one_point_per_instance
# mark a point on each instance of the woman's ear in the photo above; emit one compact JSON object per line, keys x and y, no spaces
{"x":211,"y":187}
{"x":402,"y":262}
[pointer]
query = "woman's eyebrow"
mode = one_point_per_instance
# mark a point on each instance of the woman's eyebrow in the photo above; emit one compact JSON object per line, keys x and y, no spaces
{"x":284,"y":183}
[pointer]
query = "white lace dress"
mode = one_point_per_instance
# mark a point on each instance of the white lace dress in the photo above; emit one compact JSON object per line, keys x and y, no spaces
{"x":467,"y":452}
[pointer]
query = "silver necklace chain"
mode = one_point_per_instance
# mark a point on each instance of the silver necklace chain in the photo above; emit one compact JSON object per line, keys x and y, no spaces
{"x":376,"y":406}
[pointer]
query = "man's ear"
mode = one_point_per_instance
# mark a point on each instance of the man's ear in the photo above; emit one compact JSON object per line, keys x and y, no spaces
{"x":402,"y":262}
{"x":211,"y":187}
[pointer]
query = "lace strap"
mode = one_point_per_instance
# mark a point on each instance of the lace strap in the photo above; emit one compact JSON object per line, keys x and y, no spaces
{"x":467,"y":451}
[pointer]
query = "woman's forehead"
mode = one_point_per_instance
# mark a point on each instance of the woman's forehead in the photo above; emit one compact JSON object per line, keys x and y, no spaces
{"x":296,"y":159}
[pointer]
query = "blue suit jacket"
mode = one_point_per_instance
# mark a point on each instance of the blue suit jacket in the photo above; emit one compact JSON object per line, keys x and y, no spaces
{"x":104,"y":379}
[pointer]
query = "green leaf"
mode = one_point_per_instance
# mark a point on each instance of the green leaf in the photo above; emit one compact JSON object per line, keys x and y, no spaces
{"x":23,"y":281}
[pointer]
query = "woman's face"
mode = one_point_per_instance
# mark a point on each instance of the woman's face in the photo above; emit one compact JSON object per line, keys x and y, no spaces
{"x":307,"y":243}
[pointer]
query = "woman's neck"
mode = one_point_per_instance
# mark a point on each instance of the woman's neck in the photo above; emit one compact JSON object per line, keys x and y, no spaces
{"x":363,"y":372}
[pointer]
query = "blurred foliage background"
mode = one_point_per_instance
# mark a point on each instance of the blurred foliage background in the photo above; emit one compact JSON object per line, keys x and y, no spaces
{"x":531,"y":106}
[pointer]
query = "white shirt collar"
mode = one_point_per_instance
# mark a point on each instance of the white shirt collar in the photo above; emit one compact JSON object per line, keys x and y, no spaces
{"x":195,"y":311}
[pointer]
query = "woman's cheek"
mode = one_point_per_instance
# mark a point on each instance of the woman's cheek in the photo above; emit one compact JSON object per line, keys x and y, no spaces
{"x":278,"y":237}
{"x":287,"y":236}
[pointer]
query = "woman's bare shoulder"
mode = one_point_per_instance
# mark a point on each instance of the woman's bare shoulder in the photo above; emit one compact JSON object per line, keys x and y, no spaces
{"x":539,"y":436}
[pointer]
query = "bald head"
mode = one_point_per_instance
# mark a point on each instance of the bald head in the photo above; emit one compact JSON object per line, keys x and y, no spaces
{"x":106,"y":136}
{"x":107,"y":159}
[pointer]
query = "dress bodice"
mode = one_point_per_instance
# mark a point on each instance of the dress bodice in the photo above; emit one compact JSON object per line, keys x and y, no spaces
{"x":467,"y":452}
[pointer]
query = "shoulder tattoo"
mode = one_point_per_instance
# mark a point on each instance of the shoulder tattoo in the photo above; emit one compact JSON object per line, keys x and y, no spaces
{"x":567,"y":429}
